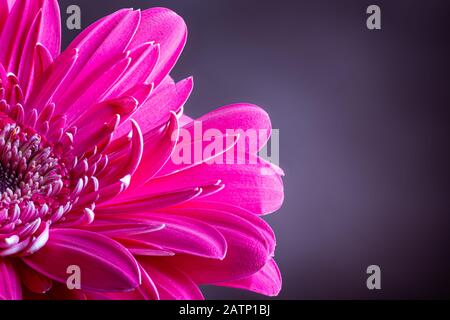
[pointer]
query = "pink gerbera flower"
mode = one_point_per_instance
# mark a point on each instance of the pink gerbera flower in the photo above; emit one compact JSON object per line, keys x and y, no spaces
{"x":87,"y":177}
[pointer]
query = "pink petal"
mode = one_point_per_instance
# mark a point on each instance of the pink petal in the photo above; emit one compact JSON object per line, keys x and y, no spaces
{"x":239,"y":118}
{"x":100,"y":47}
{"x":27,"y":59}
{"x":121,"y":227}
{"x":172,"y":284}
{"x":225,"y":216}
{"x":254,"y":187}
{"x":46,"y":86}
{"x":147,"y":203}
{"x":34,"y":281}
{"x":92,"y":90}
{"x":61,"y":292}
{"x":156,"y":111}
{"x":167,"y":29}
{"x":105,"y":265}
{"x":126,"y":161}
{"x":101,"y":113}
{"x":248,"y":249}
{"x":51,"y":32}
{"x":4,"y":11}
{"x":94,"y":135}
{"x":228,"y":144}
{"x":42,"y":61}
{"x":10,"y":287}
{"x":146,"y":291}
{"x":248,"y":124}
{"x":184,"y":235}
{"x":266,"y":281}
{"x":142,"y":248}
{"x":143,"y":60}
{"x":157,"y":150}
{"x":18,"y":25}
{"x":212,"y":209}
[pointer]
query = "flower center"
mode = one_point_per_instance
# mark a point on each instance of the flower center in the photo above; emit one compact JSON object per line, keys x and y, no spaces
{"x":8,"y":180}
{"x":26,"y":167}
{"x":32,"y":190}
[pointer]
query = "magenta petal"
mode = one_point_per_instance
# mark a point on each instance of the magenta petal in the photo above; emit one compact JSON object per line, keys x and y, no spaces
{"x":4,"y":11}
{"x":100,"y":46}
{"x":172,"y":284}
{"x":233,"y":222}
{"x":156,"y":111}
{"x":121,"y":227}
{"x":149,"y":202}
{"x":168,"y":30}
{"x":10,"y":287}
{"x":266,"y":281}
{"x":101,"y":113}
{"x":17,"y":26}
{"x":142,"y":248}
{"x":254,"y":187}
{"x":105,"y":264}
{"x":143,"y":60}
{"x":184,"y":235}
{"x":92,"y":89}
{"x":146,"y":291}
{"x":248,"y":248}
{"x":245,"y":256}
{"x":51,"y":33}
{"x":236,"y":117}
{"x":49,"y":82}
{"x":203,"y":208}
{"x":157,"y":151}
{"x":33,"y":280}
{"x":28,"y":55}
{"x":61,"y":292}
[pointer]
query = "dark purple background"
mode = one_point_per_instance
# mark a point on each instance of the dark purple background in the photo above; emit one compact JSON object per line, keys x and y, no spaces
{"x":363,"y":117}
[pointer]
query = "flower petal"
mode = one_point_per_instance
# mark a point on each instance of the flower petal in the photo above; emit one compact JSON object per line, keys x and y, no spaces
{"x":17,"y":26}
{"x":157,"y":151}
{"x":50,"y":36}
{"x":121,"y":227}
{"x":183,"y":235}
{"x":266,"y":281}
{"x":172,"y":284}
{"x":166,"y":28}
{"x":254,"y":187}
{"x":10,"y":287}
{"x":105,"y":265}
{"x":99,"y":46}
{"x":143,"y":60}
{"x":248,"y":249}
{"x":225,"y":216}
{"x":146,"y":291}
{"x":4,"y":11}
{"x":33,"y":280}
{"x":156,"y":111}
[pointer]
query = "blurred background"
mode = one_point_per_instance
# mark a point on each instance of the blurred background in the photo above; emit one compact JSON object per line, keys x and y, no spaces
{"x":364,"y":128}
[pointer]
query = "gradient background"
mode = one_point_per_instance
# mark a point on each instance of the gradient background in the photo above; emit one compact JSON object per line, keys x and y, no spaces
{"x":364,"y":124}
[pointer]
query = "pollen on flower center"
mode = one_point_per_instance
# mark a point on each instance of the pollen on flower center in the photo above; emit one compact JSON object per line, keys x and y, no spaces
{"x":26,"y":168}
{"x":8,"y":179}
{"x":31,"y":184}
